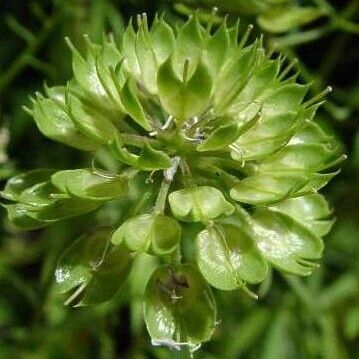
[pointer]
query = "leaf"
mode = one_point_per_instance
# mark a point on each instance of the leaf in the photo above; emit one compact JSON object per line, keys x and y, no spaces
{"x":92,"y":269}
{"x":199,"y":204}
{"x":171,"y":317}
{"x":54,"y":121}
{"x":184,"y":98}
{"x":85,"y":183}
{"x":227,"y":257}
{"x":284,"y":18}
{"x":240,"y":341}
{"x":312,"y":211}
{"x":152,"y":233}
{"x":276,"y":342}
{"x":351,"y":323}
{"x":267,"y":188}
{"x":17,"y":184}
{"x":285,"y":243}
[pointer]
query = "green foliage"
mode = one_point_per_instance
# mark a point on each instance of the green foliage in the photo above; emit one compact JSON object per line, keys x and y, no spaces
{"x":209,"y":176}
{"x":214,"y":108}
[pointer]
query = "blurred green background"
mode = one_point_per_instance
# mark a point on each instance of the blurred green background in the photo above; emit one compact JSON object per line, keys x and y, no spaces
{"x":316,"y":317}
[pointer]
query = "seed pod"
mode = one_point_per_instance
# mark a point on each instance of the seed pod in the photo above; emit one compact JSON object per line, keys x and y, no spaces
{"x":152,"y":233}
{"x":199,"y":204}
{"x":91,"y":270}
{"x":179,"y":308}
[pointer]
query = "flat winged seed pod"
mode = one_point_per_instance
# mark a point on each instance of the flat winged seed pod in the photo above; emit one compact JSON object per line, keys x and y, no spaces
{"x":209,"y":133}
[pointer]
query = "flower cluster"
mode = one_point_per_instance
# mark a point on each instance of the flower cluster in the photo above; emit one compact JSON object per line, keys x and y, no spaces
{"x":222,"y":137}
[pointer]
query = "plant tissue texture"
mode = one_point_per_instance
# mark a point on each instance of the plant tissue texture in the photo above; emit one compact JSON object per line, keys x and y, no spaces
{"x":228,"y":140}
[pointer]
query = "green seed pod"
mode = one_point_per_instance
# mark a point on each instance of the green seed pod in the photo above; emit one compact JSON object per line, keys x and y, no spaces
{"x":199,"y":204}
{"x":92,"y":270}
{"x":39,"y":203}
{"x":85,"y":183}
{"x":152,"y":233}
{"x":228,"y":258}
{"x":179,"y":308}
{"x":285,"y":243}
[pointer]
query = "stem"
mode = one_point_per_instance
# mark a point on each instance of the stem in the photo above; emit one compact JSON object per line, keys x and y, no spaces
{"x":346,"y":25}
{"x":325,"y":6}
{"x":175,"y":257}
{"x":162,"y":196}
{"x":186,"y":173}
{"x":304,"y":295}
{"x":333,"y":55}
{"x":141,"y":202}
{"x":25,"y":57}
{"x":304,"y":37}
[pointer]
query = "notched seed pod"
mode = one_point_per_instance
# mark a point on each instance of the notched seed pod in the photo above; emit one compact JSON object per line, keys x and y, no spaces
{"x":179,"y":308}
{"x":152,"y":233}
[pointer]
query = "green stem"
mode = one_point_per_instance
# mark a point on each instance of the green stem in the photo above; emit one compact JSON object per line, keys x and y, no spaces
{"x":325,"y":6}
{"x":186,"y":174}
{"x":162,"y":197}
{"x":337,"y":22}
{"x":25,"y":57}
{"x":333,"y":55}
{"x":175,"y":257}
{"x":304,"y":295}
{"x":141,"y":202}
{"x":303,"y":37}
{"x":346,"y":25}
